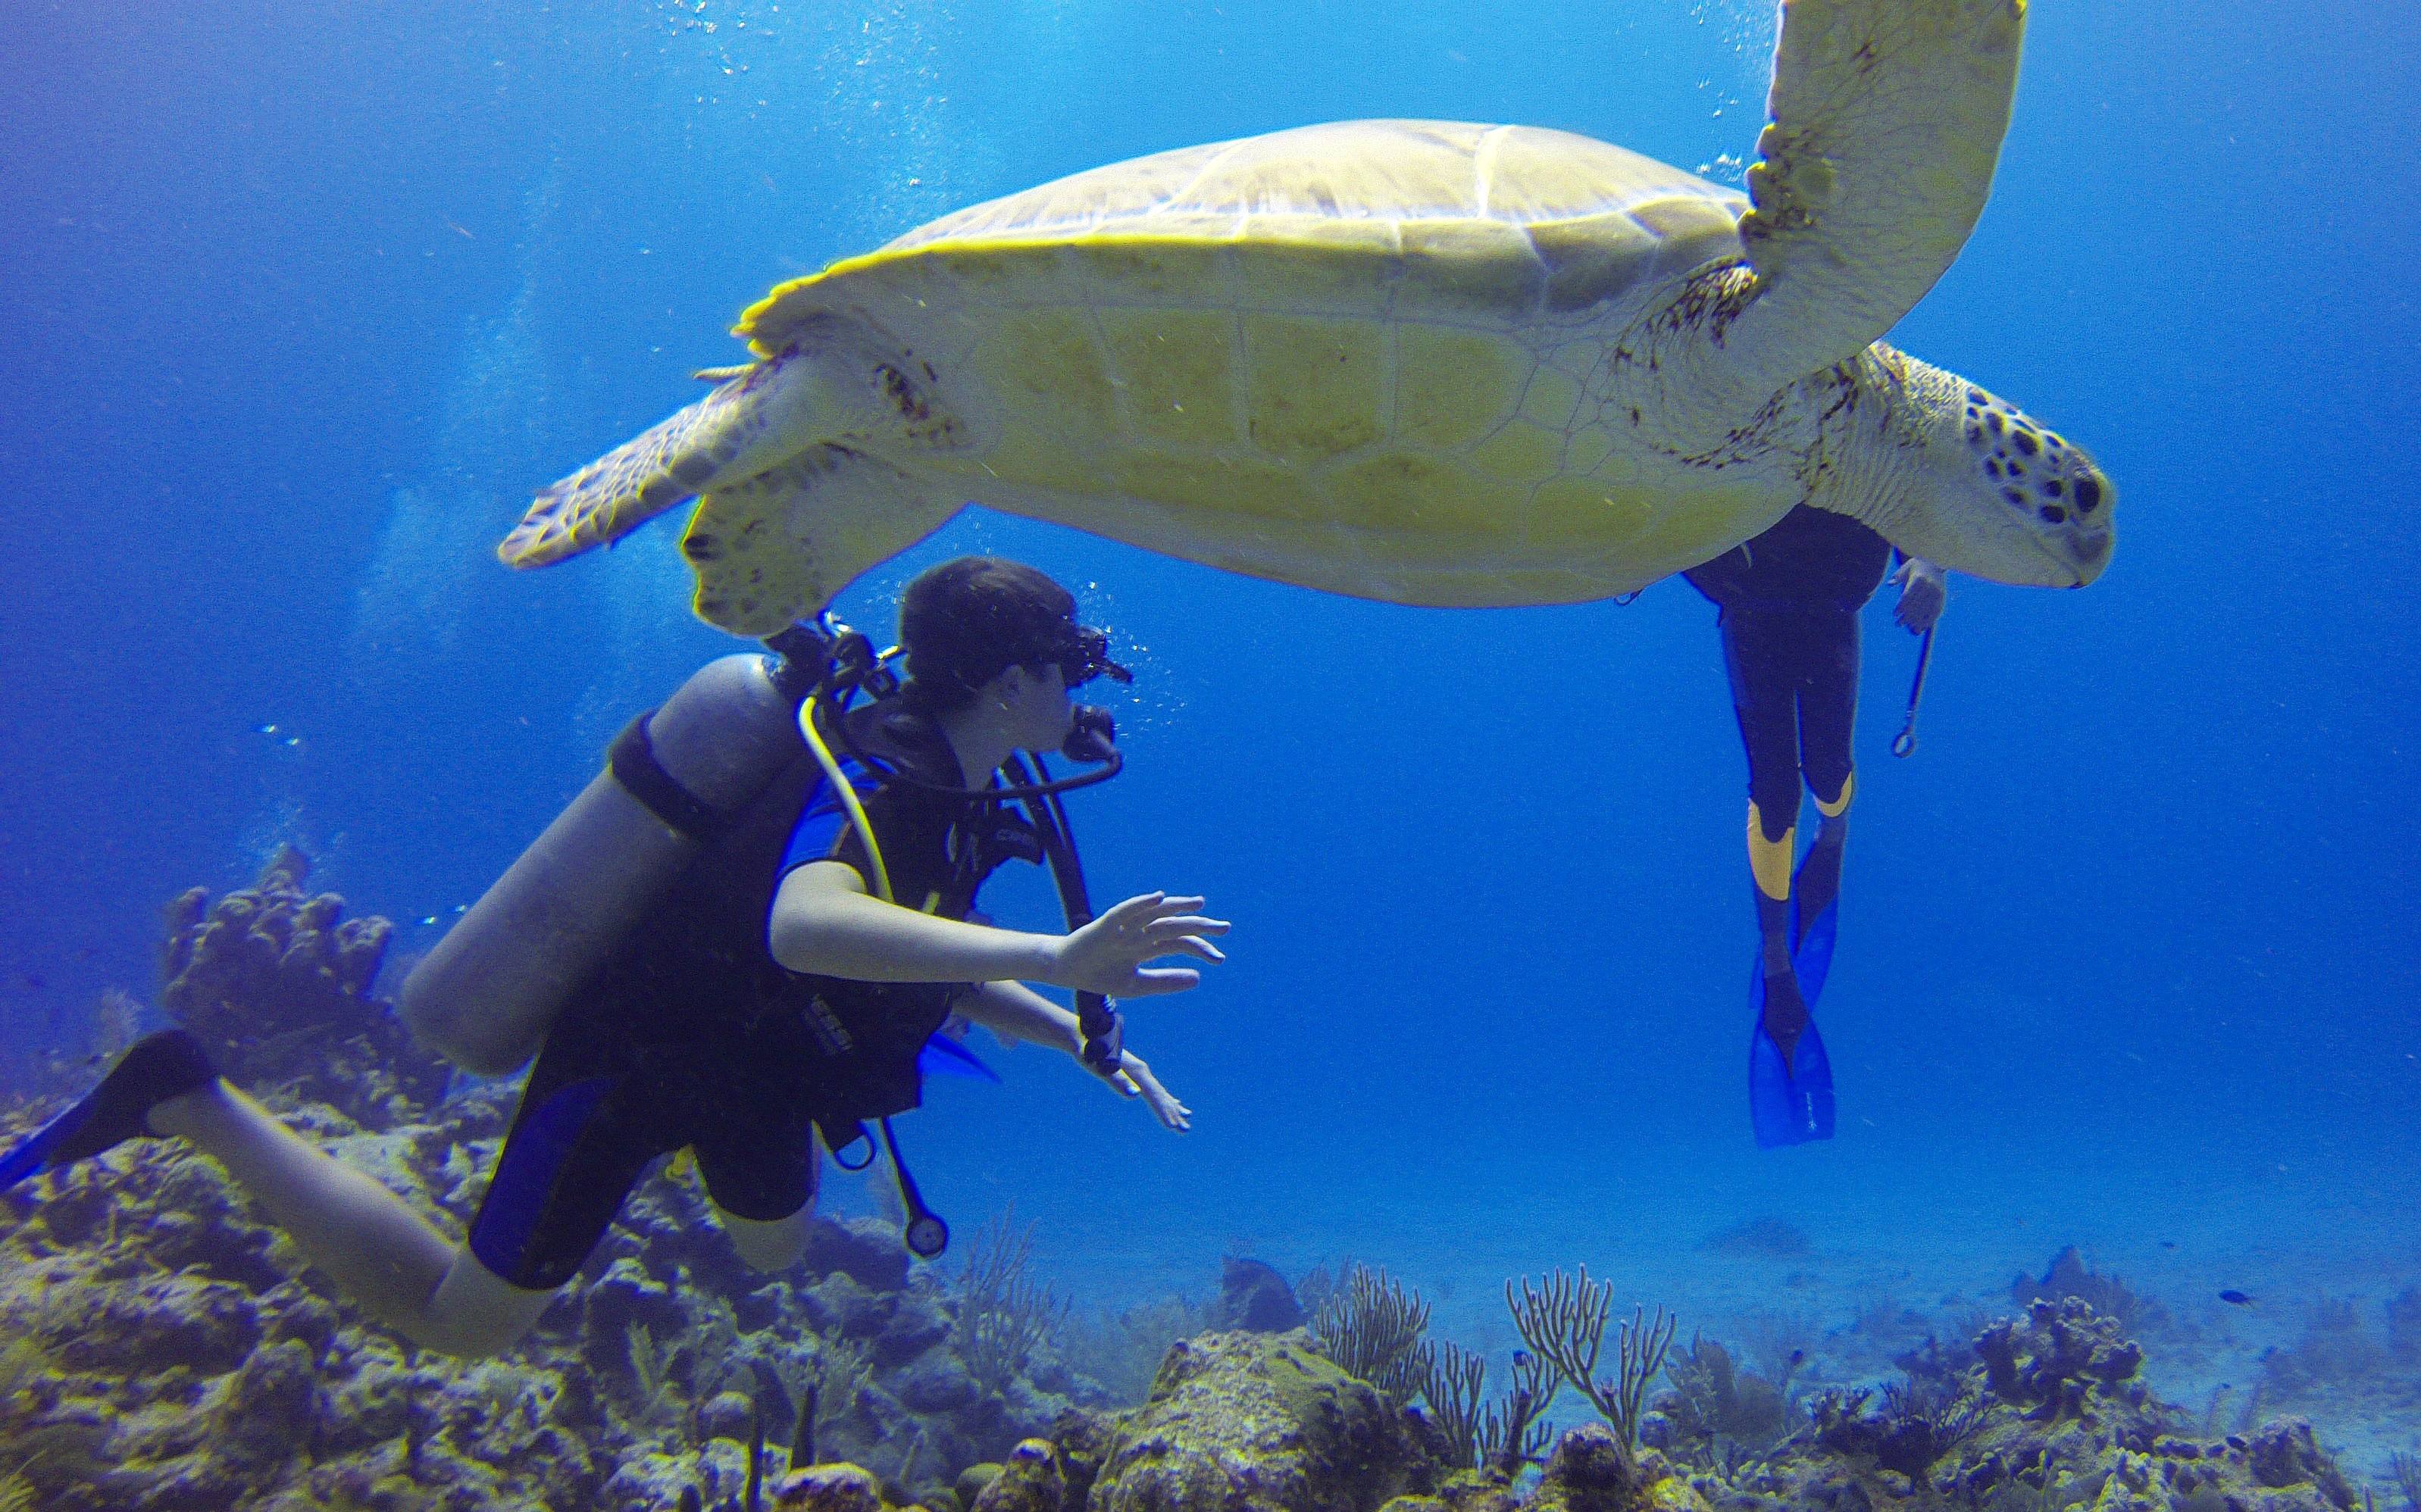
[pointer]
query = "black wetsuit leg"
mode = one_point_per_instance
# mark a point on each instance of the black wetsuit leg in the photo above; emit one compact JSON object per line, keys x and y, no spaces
{"x":1760,"y":657}
{"x":1826,"y":670}
{"x":1828,"y":714}
{"x":755,"y":1143}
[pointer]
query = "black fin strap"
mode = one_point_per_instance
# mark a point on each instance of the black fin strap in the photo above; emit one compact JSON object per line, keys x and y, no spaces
{"x":633,"y":761}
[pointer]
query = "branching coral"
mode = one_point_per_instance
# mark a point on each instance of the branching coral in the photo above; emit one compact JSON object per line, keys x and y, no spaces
{"x":1454,"y":1383}
{"x":1564,"y":1322}
{"x":1370,"y":1328}
{"x":2403,"y":1316}
{"x":1924,"y":1419}
{"x":1514,"y":1433}
{"x":2406,"y":1468}
{"x":1122,"y":1350}
{"x":1718,"y":1414}
{"x":1002,"y":1311}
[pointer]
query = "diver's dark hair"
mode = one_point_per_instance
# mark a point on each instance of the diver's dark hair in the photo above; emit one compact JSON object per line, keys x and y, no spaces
{"x":968,"y":621}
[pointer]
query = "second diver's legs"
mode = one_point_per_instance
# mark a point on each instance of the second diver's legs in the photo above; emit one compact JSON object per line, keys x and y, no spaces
{"x":384,"y":1255}
{"x":1828,"y":709}
{"x":1764,"y":699}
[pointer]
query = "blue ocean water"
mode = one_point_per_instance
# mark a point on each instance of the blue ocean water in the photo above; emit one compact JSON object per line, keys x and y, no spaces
{"x":303,"y":299}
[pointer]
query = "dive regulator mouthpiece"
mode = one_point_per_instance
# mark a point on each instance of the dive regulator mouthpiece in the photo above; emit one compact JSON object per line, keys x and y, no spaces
{"x":1094,"y":736}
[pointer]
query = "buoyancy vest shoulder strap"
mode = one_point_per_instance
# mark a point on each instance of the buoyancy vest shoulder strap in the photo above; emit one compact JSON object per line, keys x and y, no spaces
{"x":633,"y":763}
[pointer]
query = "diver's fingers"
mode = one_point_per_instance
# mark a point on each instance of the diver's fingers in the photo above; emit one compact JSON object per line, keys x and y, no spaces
{"x":1137,"y":910}
{"x":1151,"y":981}
{"x":1190,"y":924}
{"x":1189,"y":945}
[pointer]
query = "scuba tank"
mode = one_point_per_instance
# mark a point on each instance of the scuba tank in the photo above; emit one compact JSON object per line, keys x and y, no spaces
{"x":486,"y":995}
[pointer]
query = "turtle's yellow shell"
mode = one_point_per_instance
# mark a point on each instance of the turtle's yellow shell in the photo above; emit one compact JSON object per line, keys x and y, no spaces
{"x":1368,"y":357}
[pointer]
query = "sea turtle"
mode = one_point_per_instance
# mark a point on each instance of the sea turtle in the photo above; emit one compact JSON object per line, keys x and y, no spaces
{"x":1417,"y":361}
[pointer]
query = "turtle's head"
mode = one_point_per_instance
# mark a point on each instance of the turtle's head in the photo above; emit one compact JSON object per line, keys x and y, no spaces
{"x":1976,"y":485}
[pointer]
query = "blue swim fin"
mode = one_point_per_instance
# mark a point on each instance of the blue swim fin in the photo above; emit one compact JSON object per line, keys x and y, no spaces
{"x":1818,"y":880}
{"x":1811,"y":956}
{"x":1790,"y":1077}
{"x":158,"y":1068}
{"x":944,"y":1056}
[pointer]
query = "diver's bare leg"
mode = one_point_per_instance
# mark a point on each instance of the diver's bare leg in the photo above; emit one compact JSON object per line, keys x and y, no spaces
{"x":389,"y":1259}
{"x":768,"y":1246}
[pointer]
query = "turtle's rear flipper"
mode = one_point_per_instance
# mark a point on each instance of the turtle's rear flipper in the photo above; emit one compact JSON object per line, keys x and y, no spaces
{"x":769,"y":412}
{"x":777,"y":546}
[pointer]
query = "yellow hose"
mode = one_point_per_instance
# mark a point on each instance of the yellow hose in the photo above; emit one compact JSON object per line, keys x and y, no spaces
{"x":848,"y":795}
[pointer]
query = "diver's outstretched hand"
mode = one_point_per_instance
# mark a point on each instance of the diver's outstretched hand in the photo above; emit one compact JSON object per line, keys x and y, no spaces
{"x":1133,"y":1078}
{"x":1107,"y":955}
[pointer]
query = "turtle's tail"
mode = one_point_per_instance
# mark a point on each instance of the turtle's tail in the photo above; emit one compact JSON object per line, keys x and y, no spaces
{"x":748,"y":424}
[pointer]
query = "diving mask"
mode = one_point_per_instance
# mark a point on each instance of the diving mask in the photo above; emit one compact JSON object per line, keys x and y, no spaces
{"x":1083,"y":654}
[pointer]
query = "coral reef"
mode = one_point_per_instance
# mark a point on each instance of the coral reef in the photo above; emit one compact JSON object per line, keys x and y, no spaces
{"x":1262,"y":1423}
{"x":277,"y":984}
{"x":1717,"y":1415}
{"x":2068,"y":1275}
{"x":162,"y":1350}
{"x":1255,"y":1298}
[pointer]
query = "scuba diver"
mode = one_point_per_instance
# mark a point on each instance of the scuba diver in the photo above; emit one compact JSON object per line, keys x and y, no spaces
{"x":1787,"y":604}
{"x":745,"y":939}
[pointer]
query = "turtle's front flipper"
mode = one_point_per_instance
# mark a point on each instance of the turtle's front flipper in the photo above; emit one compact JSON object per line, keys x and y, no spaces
{"x":776,"y":546}
{"x":1887,"y":119}
{"x":752,"y":422}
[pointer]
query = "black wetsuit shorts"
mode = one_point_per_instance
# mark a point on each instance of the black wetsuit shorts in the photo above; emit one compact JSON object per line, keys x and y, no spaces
{"x":606,"y":1100}
{"x":1789,"y":602}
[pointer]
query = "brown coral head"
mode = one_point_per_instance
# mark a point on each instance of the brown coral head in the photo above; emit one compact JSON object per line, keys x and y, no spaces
{"x":830,"y":1489}
{"x":1589,"y":1472}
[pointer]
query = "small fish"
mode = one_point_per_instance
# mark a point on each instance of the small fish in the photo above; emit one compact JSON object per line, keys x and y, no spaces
{"x":2235,"y":1298}
{"x":458,"y":231}
{"x":264,"y":728}
{"x":2168,"y":1245}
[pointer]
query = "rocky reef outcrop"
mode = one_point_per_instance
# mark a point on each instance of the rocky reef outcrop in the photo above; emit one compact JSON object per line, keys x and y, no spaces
{"x":277,"y":984}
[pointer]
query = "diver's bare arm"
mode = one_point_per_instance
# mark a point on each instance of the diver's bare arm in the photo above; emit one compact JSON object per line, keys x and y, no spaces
{"x":1015,"y":1011}
{"x":824,"y":922}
